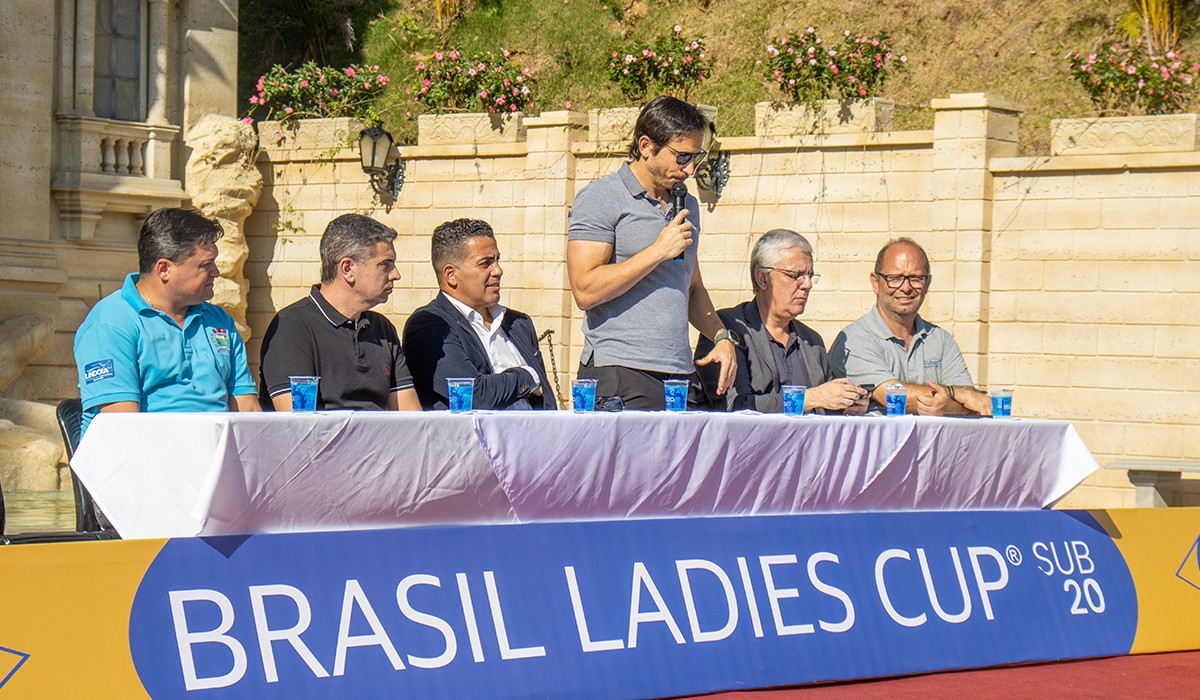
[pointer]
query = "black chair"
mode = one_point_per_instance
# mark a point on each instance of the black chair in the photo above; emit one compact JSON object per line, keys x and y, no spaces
{"x":90,"y":523}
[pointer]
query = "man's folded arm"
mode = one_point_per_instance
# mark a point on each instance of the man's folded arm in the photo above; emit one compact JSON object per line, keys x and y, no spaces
{"x":432,"y":348}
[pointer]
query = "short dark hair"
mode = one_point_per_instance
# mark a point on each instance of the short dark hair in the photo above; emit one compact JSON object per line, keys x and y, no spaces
{"x":902,"y":240}
{"x":174,"y":234}
{"x":663,"y":119}
{"x":350,"y":236}
{"x":450,"y":238}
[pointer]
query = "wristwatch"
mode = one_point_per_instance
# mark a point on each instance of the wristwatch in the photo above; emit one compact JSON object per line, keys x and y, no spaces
{"x":725,"y":334}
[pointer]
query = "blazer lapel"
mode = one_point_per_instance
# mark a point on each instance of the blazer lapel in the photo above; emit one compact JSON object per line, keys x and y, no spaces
{"x":452,"y":314}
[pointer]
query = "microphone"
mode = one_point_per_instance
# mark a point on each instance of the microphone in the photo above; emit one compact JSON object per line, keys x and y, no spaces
{"x":678,"y":200}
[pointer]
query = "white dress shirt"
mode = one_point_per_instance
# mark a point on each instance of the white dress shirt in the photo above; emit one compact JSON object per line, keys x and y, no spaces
{"x":500,"y":349}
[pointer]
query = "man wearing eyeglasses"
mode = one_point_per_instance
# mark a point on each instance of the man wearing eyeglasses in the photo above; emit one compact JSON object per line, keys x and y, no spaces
{"x":892,"y":343}
{"x":773,"y":347}
{"x":631,"y":259}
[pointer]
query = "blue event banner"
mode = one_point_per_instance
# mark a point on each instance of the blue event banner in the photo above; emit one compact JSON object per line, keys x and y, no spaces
{"x":627,"y":608}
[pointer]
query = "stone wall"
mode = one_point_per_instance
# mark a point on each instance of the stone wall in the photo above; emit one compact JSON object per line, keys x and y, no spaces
{"x":1073,"y":279}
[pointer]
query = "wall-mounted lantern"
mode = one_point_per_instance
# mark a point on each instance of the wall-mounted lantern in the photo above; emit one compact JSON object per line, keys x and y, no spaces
{"x":374,"y":145}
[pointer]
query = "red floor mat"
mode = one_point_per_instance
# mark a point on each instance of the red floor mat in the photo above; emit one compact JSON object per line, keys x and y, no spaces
{"x":1172,"y":676}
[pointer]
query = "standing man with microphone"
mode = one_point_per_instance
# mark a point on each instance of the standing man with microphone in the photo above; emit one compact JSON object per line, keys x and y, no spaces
{"x":631,"y":259}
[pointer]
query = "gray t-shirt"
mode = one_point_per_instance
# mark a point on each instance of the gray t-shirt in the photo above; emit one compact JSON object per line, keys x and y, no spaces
{"x":867,"y":352}
{"x":646,"y":327}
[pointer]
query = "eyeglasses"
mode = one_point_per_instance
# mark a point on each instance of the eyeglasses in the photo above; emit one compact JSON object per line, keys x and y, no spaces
{"x":795,"y":276}
{"x":682,"y":158}
{"x":897,"y":281}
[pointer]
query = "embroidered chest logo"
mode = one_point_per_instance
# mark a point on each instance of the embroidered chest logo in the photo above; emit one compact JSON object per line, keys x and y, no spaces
{"x":219,"y":338}
{"x":99,"y":370}
{"x":933,"y":364}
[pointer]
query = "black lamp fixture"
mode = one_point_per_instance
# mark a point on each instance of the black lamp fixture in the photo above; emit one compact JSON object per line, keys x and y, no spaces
{"x":374,"y":144}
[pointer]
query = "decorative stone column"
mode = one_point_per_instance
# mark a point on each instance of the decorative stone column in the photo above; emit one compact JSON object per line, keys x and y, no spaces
{"x":549,"y":191}
{"x":968,"y":130}
{"x":224,"y":184}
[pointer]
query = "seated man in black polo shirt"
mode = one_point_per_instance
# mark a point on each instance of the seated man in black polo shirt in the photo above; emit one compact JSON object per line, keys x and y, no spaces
{"x":465,"y":332}
{"x":332,"y":334}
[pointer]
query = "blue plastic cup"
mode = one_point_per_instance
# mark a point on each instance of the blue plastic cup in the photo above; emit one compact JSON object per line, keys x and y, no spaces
{"x":462,"y":394}
{"x":583,"y":395}
{"x":897,"y":399}
{"x":793,"y":399}
{"x":304,"y":393}
{"x":675,"y":392}
{"x":1002,"y":403}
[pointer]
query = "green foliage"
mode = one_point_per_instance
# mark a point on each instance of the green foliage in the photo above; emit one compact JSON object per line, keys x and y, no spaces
{"x":451,"y":81}
{"x":673,"y":64}
{"x":1128,"y":79}
{"x":292,"y":32}
{"x":314,"y":92}
{"x":1160,"y":23}
{"x":806,"y":68}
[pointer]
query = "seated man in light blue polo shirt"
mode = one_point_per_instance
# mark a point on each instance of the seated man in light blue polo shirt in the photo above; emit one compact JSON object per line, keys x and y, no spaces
{"x":156,"y":344}
{"x":892,"y":343}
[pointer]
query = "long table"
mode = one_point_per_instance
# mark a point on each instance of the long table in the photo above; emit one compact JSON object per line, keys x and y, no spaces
{"x":191,"y":474}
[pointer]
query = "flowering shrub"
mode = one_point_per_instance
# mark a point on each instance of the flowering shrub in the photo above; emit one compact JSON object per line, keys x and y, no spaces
{"x":313,"y":91}
{"x":1129,"y":79}
{"x":672,"y":64}
{"x":807,"y":69}
{"x":453,"y":82}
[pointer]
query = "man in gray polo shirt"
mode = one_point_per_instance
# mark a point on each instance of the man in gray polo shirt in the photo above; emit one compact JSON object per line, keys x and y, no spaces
{"x":892,"y":343}
{"x":633,"y":267}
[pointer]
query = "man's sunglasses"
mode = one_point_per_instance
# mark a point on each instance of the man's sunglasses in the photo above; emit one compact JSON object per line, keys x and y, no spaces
{"x":682,"y":158}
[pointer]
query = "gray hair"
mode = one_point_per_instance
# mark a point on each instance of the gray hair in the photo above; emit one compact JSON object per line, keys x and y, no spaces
{"x":350,"y":236}
{"x":174,"y":234}
{"x":769,"y":248}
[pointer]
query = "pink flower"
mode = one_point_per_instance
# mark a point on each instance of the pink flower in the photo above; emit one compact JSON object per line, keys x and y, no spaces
{"x":678,"y":29}
{"x":350,"y":72}
{"x":277,"y":137}
{"x":335,"y":92}
{"x":567,"y":104}
{"x":247,"y":120}
{"x":287,"y":110}
{"x":303,"y":83}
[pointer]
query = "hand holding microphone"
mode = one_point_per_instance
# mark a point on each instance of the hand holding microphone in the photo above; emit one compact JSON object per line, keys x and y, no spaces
{"x":678,"y":202}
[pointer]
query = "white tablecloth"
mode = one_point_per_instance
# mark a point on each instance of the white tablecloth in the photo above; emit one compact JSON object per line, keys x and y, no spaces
{"x":188,"y":474}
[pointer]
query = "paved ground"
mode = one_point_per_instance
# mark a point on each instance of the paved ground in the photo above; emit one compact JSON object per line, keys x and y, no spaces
{"x":1171,"y":676}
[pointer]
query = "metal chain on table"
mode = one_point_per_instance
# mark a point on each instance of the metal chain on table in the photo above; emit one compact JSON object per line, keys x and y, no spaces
{"x":548,"y":336}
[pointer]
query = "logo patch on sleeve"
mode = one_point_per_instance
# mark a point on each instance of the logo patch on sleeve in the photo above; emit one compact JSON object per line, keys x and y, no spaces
{"x":96,"y":371}
{"x":219,"y":338}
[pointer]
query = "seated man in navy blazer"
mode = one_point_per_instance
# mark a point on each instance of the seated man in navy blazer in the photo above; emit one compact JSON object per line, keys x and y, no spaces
{"x":465,"y":332}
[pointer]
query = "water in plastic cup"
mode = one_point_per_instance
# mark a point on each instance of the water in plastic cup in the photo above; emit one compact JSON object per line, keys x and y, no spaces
{"x":1002,"y":403}
{"x":304,"y":393}
{"x":793,"y":399}
{"x":462,"y":394}
{"x":897,"y":399}
{"x":583,"y":395}
{"x":675,"y":392}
